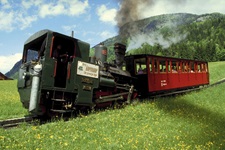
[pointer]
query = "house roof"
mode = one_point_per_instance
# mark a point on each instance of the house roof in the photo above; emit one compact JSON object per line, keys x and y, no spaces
{"x":3,"y":77}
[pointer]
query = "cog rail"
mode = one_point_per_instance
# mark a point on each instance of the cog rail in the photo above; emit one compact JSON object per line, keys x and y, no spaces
{"x":9,"y":123}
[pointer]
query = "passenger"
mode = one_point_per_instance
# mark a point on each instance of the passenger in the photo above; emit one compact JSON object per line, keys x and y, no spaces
{"x":61,"y":69}
{"x":145,"y":70}
{"x":57,"y":51}
{"x":60,"y":55}
{"x":174,"y":69}
{"x":140,"y":71}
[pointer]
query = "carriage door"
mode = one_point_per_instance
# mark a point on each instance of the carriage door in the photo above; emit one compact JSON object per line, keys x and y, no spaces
{"x":141,"y":73}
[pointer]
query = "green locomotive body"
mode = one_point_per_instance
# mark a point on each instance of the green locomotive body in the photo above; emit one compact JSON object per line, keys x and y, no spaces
{"x":49,"y":85}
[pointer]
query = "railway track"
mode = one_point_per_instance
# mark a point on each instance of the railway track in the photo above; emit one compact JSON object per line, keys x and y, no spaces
{"x":10,"y":123}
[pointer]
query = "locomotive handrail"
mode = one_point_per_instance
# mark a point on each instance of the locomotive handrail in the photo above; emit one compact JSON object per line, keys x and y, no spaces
{"x":111,"y":97}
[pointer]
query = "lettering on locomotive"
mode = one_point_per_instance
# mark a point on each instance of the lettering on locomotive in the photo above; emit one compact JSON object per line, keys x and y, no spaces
{"x":87,"y":80}
{"x":87,"y":88}
{"x":87,"y":69}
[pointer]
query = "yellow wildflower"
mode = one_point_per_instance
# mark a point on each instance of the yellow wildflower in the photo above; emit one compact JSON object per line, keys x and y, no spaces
{"x":65,"y":143}
{"x":38,"y":136}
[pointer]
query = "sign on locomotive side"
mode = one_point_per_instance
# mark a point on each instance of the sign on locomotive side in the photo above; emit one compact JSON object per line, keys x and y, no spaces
{"x":87,"y":69}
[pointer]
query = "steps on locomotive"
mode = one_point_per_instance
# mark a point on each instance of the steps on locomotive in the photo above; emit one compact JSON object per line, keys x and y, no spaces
{"x":58,"y":100}
{"x":59,"y":104}
{"x":61,"y":111}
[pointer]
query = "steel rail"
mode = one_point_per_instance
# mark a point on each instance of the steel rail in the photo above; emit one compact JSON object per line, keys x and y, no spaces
{"x":9,"y":123}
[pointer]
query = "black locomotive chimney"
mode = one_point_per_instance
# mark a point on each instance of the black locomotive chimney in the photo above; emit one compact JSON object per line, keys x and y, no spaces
{"x":119,"y":50}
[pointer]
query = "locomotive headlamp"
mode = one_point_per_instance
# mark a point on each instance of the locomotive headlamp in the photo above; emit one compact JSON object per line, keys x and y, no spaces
{"x":26,"y":75}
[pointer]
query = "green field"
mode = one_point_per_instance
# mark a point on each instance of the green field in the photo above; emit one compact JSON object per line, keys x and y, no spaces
{"x":192,"y":121}
{"x":9,"y":99}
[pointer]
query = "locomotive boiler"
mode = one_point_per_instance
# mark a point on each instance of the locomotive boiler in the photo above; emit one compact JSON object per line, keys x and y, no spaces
{"x":57,"y":75}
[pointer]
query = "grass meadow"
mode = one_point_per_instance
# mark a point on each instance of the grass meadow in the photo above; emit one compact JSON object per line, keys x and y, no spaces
{"x":10,"y":105}
{"x":192,"y":121}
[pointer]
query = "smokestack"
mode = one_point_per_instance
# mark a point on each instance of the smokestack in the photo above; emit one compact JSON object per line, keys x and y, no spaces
{"x":119,"y":50}
{"x":72,"y":34}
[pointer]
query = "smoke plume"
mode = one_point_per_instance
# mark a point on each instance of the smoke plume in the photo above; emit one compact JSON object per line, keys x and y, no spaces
{"x":130,"y":10}
{"x":134,"y":10}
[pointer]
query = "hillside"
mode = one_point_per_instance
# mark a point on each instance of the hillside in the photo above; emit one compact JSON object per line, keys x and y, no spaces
{"x":178,"y":35}
{"x":13,"y":73}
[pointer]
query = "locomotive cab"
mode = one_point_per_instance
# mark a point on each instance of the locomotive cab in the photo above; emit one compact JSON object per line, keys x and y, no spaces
{"x":53,"y":80}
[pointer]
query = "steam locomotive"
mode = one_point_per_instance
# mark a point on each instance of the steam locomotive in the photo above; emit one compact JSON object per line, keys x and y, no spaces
{"x":72,"y":81}
{"x":58,"y":76}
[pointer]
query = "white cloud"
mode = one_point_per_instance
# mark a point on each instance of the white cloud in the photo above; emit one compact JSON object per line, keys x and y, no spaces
{"x":23,"y":13}
{"x":25,"y":21}
{"x":106,"y":15}
{"x":7,"y":21}
{"x":5,"y":4}
{"x":106,"y":34}
{"x":63,"y":7}
{"x":29,"y":3}
{"x":51,"y":9}
{"x":183,"y":6}
{"x":7,"y":62}
{"x":69,"y":28}
{"x":77,"y":7}
{"x":11,"y":20}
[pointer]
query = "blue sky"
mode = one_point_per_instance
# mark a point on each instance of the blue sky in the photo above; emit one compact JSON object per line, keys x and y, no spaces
{"x":91,"y":20}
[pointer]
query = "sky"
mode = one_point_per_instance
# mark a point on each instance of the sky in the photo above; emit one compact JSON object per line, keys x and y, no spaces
{"x":92,"y":21}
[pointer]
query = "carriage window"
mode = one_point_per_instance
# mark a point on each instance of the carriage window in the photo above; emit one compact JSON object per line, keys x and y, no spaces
{"x":203,"y":67}
{"x":174,"y":67}
{"x":183,"y":67}
{"x":191,"y":67}
{"x":155,"y":65}
{"x":162,"y":65}
{"x":140,"y":66}
{"x":199,"y":68}
{"x":180,"y":67}
{"x":186,"y":67}
{"x":169,"y":66}
{"x":150,"y":65}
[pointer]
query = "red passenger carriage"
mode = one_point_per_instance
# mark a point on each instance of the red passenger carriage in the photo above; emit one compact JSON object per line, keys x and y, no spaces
{"x":158,"y":74}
